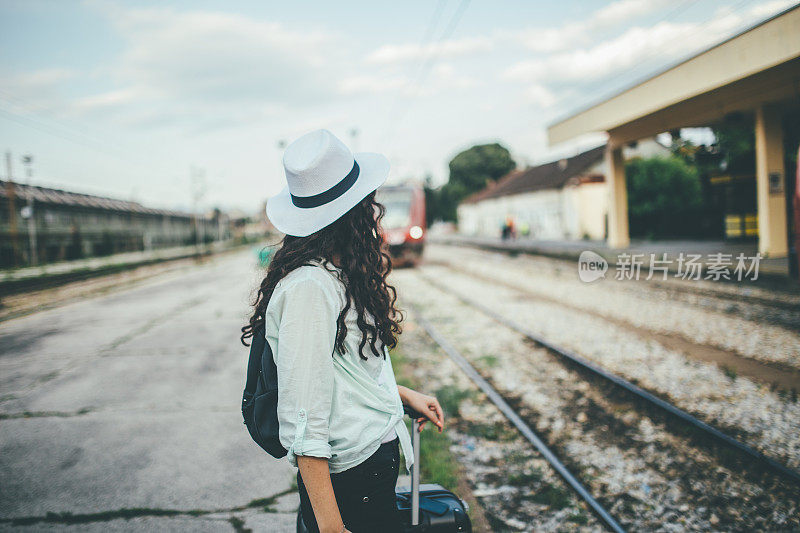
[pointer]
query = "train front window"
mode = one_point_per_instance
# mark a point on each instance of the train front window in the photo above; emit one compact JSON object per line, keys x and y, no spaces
{"x":398,"y":208}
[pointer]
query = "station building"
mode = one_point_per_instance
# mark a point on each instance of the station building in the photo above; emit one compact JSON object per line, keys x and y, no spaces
{"x":755,"y":74}
{"x":564,"y":199}
{"x":69,"y":225}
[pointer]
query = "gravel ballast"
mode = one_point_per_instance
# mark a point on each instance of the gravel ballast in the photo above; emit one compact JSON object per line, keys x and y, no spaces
{"x":649,"y":478}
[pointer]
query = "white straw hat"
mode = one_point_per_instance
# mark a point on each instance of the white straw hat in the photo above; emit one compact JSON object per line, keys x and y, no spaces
{"x":324,"y":181}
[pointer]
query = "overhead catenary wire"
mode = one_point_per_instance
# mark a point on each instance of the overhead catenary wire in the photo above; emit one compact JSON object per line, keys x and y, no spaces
{"x":423,"y":44}
{"x":435,"y":17}
{"x":66,"y":133}
{"x":63,"y":131}
{"x":427,"y":64}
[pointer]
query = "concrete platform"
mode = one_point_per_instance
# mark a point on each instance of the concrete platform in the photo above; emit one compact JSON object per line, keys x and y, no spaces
{"x":775,"y":269}
{"x":124,"y":412}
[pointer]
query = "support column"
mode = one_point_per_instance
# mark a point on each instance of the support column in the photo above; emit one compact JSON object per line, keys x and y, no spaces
{"x":618,"y":236}
{"x":770,"y":183}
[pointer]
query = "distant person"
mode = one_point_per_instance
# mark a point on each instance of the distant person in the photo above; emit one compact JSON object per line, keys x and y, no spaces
{"x":509,"y":231}
{"x":330,"y":321}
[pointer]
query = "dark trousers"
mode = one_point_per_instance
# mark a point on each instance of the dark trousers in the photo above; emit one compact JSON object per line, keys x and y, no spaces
{"x":365,"y":494}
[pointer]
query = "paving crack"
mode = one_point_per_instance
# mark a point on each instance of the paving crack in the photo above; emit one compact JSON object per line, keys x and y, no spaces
{"x":147,"y":326}
{"x":46,"y":414}
{"x":264,"y":504}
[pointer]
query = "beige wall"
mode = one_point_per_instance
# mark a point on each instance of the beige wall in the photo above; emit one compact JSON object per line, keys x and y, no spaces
{"x":772,"y":227}
{"x":593,"y":198}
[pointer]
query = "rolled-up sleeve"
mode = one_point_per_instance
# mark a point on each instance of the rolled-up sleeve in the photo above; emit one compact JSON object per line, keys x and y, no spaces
{"x":306,"y":337}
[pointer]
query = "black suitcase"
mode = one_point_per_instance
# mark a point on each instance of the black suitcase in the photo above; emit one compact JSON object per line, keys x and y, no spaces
{"x":425,"y":509}
{"x":430,"y":508}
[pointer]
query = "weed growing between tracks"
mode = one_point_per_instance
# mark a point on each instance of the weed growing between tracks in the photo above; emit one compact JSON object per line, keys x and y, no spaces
{"x":438,"y":464}
{"x":648,"y":475}
{"x":514,"y":484}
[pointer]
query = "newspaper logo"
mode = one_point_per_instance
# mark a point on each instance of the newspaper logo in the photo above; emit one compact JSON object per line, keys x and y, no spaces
{"x":591,"y":266}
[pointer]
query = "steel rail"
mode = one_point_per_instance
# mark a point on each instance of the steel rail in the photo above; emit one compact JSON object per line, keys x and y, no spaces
{"x":510,"y":249}
{"x":520,"y":424}
{"x":628,"y":387}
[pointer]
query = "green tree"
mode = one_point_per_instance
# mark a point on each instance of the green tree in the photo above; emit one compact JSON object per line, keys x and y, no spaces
{"x":664,"y":197}
{"x":736,"y":142}
{"x":470,"y":171}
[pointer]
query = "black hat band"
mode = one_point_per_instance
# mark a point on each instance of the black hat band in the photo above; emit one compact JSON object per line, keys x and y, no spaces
{"x":329,"y":195}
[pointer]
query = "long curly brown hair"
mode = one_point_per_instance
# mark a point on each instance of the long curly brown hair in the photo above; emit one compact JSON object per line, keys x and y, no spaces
{"x":356,"y":242}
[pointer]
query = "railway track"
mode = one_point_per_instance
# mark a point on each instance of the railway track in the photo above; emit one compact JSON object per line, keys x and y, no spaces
{"x":770,"y":297}
{"x":631,"y":389}
{"x":530,"y":435}
{"x":695,"y":466}
{"x":776,"y":375}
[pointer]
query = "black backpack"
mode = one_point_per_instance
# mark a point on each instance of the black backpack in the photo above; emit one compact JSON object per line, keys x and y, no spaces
{"x":260,"y":399}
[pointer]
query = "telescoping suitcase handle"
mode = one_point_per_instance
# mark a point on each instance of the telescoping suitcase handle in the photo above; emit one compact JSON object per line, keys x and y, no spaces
{"x":415,"y":474}
{"x":415,"y":469}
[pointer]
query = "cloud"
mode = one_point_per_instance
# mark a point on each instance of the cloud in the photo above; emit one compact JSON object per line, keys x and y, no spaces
{"x":540,"y":95}
{"x":624,"y":10}
{"x":108,"y":100}
{"x":604,"y":58}
{"x":195,"y":70}
{"x":39,"y":79}
{"x":403,"y":53}
{"x":372,"y":83}
{"x":444,"y":77}
{"x":580,"y":32}
{"x":35,"y":90}
{"x":636,"y":46}
{"x":217,"y":57}
{"x":767,"y":9}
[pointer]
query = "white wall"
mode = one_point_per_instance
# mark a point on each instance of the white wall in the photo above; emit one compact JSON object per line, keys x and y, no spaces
{"x":568,"y":213}
{"x":543,"y":211}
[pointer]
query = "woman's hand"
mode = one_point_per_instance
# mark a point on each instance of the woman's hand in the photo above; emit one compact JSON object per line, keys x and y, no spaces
{"x":422,"y":403}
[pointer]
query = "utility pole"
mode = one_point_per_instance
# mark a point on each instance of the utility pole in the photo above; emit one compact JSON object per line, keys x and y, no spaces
{"x":198,"y":183}
{"x":220,"y":227}
{"x":28,"y":213}
{"x":12,"y":212}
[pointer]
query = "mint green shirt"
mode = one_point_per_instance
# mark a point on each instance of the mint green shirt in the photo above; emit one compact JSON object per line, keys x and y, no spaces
{"x":331,"y":405}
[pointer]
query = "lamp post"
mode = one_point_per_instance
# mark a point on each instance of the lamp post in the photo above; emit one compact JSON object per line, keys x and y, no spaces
{"x":27,"y":211}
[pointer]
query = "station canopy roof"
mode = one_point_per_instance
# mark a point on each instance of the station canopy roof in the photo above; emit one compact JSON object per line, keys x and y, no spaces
{"x":757,"y":66}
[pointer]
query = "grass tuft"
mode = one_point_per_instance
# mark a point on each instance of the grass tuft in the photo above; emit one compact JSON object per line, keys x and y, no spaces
{"x":450,"y":398}
{"x":238,"y":525}
{"x":553,"y":497}
{"x":729,"y":372}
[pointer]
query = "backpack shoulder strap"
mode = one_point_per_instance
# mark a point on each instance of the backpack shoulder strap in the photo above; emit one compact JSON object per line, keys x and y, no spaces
{"x":254,"y":364}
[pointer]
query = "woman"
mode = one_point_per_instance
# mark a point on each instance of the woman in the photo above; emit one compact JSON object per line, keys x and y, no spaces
{"x":331,"y":320}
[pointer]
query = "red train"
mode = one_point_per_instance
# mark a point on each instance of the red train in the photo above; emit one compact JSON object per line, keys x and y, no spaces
{"x":403,"y":223}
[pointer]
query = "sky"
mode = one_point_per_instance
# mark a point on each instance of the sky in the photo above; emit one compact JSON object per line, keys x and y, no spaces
{"x":165,"y":103}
